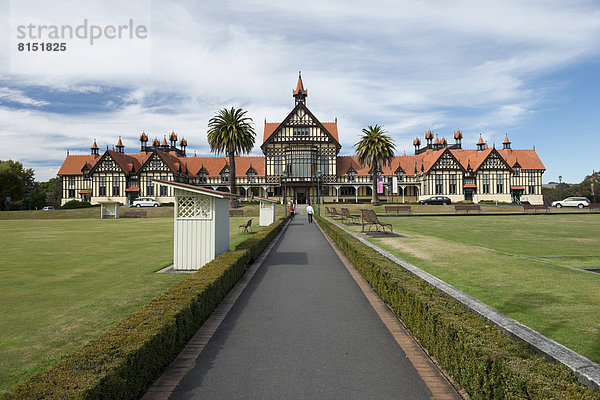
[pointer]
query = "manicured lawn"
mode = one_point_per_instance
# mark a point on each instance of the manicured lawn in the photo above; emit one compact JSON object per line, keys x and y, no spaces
{"x":500,"y":260}
{"x":64,"y":281}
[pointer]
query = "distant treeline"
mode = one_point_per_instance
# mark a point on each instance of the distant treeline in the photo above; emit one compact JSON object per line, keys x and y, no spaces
{"x":20,"y":191}
{"x":583,"y":189}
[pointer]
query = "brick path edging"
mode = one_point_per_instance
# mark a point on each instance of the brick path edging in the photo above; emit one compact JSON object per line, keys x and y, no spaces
{"x":587,"y":371}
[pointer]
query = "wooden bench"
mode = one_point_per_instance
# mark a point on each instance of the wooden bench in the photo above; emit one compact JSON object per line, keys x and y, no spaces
{"x":397,"y":209}
{"x":467,"y":208}
{"x":135,"y":214}
{"x":370,"y":219}
{"x":236,"y":213}
{"x":245,"y":226}
{"x":535,"y":207}
{"x":346,"y":215}
{"x":335,"y":214}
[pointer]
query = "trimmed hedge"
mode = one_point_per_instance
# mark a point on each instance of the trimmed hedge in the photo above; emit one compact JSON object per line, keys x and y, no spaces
{"x":126,"y":359}
{"x":71,"y":204}
{"x":479,"y":357}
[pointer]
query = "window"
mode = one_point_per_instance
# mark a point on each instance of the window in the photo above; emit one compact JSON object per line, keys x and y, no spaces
{"x":324,"y":165}
{"x":517,"y":170}
{"x":155,"y":163}
{"x":485,"y":184}
{"x":347,"y":191}
{"x":532,"y":177}
{"x":116,"y":187}
{"x":277,"y":165}
{"x":149,"y":189}
{"x":351,"y":176}
{"x":102,"y":186}
{"x":439,"y":184}
{"x":531,"y":189}
{"x":301,"y":164}
{"x":71,"y":193}
{"x":301,"y":131}
{"x":452,"y":184}
{"x":225,"y":176}
{"x":277,"y":191}
{"x":163,"y":190}
{"x":500,"y":183}
{"x":251,"y":176}
{"x":71,"y":180}
{"x":202,"y":177}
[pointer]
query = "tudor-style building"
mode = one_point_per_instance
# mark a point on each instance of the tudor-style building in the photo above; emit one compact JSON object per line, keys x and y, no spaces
{"x":301,"y":162}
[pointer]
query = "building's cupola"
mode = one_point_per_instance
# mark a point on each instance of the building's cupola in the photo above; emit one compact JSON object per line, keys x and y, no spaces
{"x":506,"y":143}
{"x":300,"y":93}
{"x":120,"y":146}
{"x":480,"y":144}
{"x":143,"y":141}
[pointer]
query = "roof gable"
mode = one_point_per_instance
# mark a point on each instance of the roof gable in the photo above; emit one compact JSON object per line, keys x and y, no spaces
{"x":300,"y":115}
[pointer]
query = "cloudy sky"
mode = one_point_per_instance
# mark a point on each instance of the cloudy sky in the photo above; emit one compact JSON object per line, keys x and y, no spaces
{"x":529,"y":69}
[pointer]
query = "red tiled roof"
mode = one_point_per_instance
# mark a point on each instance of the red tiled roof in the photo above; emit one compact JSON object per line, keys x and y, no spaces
{"x":143,"y":137}
{"x":506,"y":141}
{"x":527,"y":159}
{"x":470,"y":186}
{"x":429,"y":135}
{"x":132,"y":189}
{"x":94,"y":146}
{"x":480,"y":140}
{"x":517,"y":188}
{"x":173,"y":136}
{"x":416,"y":142}
{"x":458,"y":135}
{"x":73,"y":164}
{"x":85,"y":191}
{"x":437,"y":141}
{"x":120,"y":143}
{"x":214,"y":165}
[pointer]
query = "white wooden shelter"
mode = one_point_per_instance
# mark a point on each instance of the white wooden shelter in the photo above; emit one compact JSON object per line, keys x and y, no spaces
{"x":267,"y":211}
{"x":109,"y":209}
{"x":201,"y":229}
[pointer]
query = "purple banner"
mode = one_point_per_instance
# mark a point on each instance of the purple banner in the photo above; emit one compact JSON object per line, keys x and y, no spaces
{"x":380,"y":185}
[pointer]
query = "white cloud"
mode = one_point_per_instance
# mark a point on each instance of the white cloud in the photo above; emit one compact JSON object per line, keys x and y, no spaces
{"x":409,"y":65}
{"x":18,"y":96}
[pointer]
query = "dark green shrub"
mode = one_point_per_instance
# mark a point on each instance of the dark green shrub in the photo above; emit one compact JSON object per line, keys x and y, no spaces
{"x":126,"y":359}
{"x":479,"y":357}
{"x":76,"y":204}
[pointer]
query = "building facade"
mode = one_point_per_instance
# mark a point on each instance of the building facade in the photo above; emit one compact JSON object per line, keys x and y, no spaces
{"x":301,"y":162}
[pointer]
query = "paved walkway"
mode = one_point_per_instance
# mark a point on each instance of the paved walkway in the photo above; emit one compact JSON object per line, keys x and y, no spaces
{"x":302,"y":329}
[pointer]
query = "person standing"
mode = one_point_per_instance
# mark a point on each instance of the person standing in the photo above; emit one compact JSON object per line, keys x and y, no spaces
{"x":310,"y":212}
{"x":292,"y":210}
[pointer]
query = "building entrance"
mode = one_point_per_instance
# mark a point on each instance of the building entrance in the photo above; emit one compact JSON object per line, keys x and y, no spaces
{"x":300,"y":195}
{"x":468,"y":195}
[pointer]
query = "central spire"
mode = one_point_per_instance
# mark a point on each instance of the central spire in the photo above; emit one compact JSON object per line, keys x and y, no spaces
{"x":300,"y":93}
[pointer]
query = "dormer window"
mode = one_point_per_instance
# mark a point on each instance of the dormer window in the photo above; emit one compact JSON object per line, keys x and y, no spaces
{"x":202,"y":174}
{"x":400,"y":174}
{"x":300,"y":131}
{"x":516,"y":170}
{"x":251,"y":176}
{"x":225,"y":176}
{"x":351,"y":175}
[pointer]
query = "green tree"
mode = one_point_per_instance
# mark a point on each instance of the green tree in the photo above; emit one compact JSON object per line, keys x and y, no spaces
{"x":375,"y":149}
{"x":230,"y":132}
{"x":15,"y":182}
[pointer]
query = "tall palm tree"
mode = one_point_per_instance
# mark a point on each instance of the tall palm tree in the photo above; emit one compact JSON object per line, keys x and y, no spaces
{"x":376,"y":150}
{"x":230,"y":132}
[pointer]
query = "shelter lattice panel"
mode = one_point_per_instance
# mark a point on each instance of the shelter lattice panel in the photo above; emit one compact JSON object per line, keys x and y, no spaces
{"x":196,"y":207}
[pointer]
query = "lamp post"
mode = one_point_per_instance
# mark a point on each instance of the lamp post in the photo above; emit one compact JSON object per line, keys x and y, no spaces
{"x":319,"y":193}
{"x":314,"y":174}
{"x":560,"y":187}
{"x":284,"y":176}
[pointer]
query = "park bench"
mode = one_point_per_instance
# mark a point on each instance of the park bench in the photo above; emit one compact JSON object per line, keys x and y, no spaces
{"x":135,"y":214}
{"x":467,"y":208}
{"x":335,"y":214}
{"x":244,"y":227}
{"x":594,"y":206}
{"x":328,"y":211}
{"x":346,"y":215}
{"x":397,"y":209}
{"x":534,"y":207}
{"x":236,"y":213}
{"x":369,"y":218}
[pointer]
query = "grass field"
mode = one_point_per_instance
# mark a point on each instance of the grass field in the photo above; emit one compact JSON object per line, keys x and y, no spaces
{"x":65,"y":280}
{"x":520,"y":265}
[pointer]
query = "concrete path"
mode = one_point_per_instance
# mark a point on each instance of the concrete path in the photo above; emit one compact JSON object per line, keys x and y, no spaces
{"x":302,"y":329}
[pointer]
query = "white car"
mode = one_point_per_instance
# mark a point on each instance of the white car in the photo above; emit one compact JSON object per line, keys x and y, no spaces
{"x":145,"y":202}
{"x":48,"y":208}
{"x":572,"y":202}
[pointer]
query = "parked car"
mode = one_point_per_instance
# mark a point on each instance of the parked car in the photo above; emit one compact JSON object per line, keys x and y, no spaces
{"x":145,"y":202}
{"x":443,"y":200}
{"x":48,"y":208}
{"x":572,"y":202}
